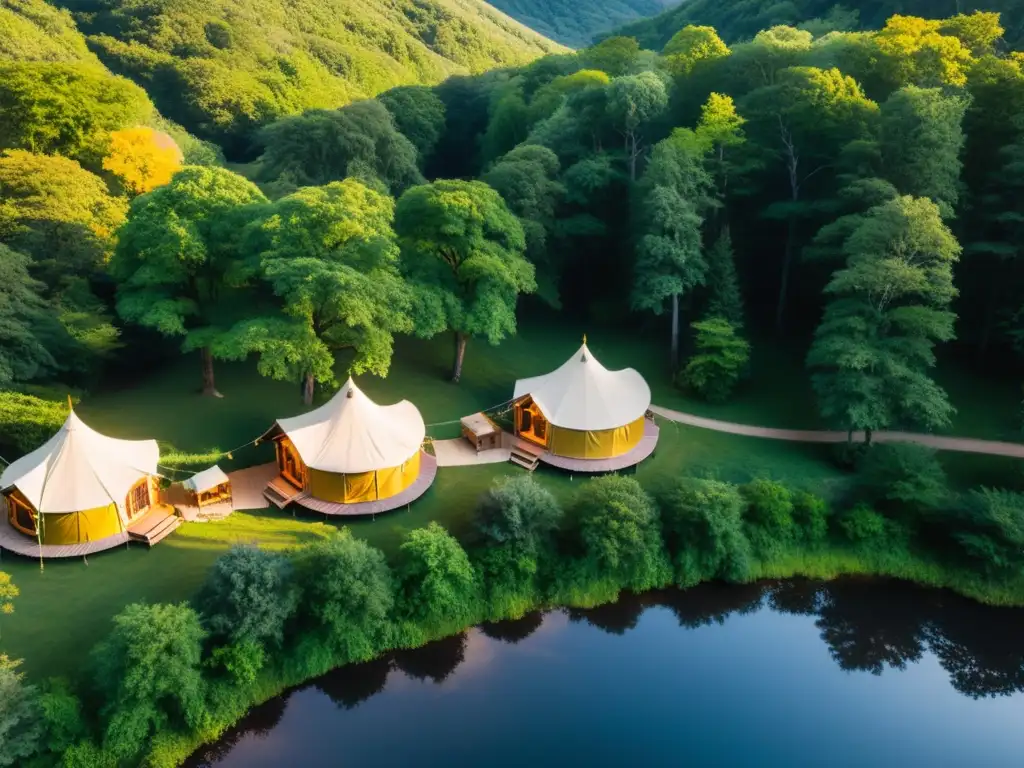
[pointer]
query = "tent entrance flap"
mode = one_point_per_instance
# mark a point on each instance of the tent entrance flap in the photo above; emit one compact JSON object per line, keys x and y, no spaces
{"x":531,"y":424}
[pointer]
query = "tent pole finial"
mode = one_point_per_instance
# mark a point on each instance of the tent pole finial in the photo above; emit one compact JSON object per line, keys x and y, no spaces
{"x":70,"y":406}
{"x":584,"y":338}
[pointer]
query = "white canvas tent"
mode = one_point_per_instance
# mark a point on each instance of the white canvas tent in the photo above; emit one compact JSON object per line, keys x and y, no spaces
{"x":351,"y":450}
{"x":351,"y":433}
{"x":584,"y":395}
{"x":80,"y":480}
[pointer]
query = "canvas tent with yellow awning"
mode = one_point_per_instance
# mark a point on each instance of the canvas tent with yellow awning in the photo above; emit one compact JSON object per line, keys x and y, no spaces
{"x":80,"y":486}
{"x":582,"y":410}
{"x":351,"y":450}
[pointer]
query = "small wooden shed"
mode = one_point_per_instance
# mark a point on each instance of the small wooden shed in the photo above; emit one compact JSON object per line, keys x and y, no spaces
{"x":483,"y":433}
{"x":211,"y":486}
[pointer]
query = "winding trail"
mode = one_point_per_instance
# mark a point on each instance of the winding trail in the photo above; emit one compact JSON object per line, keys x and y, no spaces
{"x":960,"y":444}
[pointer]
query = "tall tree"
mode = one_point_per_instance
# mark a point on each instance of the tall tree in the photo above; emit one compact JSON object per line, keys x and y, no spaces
{"x":921,"y":141}
{"x":725,"y":299}
{"x":887,"y":309}
{"x":462,"y":251}
{"x":720,"y":132}
{"x":808,"y":114}
{"x":527,"y":179}
{"x":329,"y":254}
{"x":674,"y":194}
{"x":178,"y":261}
{"x":634,"y":102}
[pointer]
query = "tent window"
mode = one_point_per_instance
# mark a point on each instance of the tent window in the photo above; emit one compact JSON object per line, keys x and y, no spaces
{"x":21,"y":515}
{"x":138,"y":498}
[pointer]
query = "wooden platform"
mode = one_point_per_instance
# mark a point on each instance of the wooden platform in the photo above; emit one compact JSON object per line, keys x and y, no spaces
{"x":428,"y":470}
{"x":17,"y":542}
{"x":642,"y":451}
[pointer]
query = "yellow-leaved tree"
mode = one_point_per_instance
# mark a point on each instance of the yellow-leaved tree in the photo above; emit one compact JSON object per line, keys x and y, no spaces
{"x":142,"y":159}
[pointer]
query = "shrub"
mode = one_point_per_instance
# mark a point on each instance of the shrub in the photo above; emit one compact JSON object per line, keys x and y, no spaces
{"x":148,"y":672}
{"x":863,"y":526}
{"x":248,"y":596}
{"x":20,"y":724}
{"x":62,"y":720}
{"x":992,"y":529}
{"x":439,"y":588}
{"x":721,"y":358}
{"x":703,"y":521}
{"x":811,"y":514}
{"x":619,"y":528}
{"x":904,"y":475}
{"x":348,"y":592}
{"x":242,"y":660}
{"x":519,"y":513}
{"x":769,"y":515}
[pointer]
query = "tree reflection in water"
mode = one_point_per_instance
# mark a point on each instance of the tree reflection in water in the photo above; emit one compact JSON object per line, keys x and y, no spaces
{"x":434,"y":661}
{"x":351,"y":685}
{"x":869,"y":625}
{"x":513,"y":631}
{"x":259,"y":721}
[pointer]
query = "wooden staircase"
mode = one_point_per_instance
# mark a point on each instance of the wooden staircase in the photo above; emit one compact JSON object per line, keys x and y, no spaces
{"x":526,"y":455}
{"x":281,"y":493}
{"x":159,"y":523}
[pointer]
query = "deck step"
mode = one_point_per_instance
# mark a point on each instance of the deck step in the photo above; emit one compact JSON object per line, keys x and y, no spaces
{"x":159,"y":532}
{"x":524,"y":459}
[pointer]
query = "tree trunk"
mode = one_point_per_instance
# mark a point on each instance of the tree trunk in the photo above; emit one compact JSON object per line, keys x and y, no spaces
{"x":867,"y":436}
{"x":787,"y":260}
{"x":460,"y":353}
{"x":675,"y":333}
{"x":631,"y":149}
{"x":308,"y":384}
{"x":209,"y":384}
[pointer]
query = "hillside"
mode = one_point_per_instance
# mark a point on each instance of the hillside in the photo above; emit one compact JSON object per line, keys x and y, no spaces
{"x":31,"y":30}
{"x":743,"y":19}
{"x":575,"y":23}
{"x":224,"y":67}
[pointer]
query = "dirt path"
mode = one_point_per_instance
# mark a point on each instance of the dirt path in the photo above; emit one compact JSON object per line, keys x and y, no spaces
{"x":961,"y":444}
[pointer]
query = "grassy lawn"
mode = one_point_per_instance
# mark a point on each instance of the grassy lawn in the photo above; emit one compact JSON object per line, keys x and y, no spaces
{"x":66,"y":609}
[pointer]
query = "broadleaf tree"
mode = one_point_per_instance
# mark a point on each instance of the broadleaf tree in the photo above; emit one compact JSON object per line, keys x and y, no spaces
{"x":888,"y":308}
{"x":178,"y":261}
{"x":463,"y":254}
{"x":329,"y":255}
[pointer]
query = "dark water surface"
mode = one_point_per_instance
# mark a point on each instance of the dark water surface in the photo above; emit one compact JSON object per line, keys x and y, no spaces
{"x":788,"y":674}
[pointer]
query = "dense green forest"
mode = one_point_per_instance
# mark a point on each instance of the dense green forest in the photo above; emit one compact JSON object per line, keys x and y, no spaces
{"x":577,"y":24}
{"x":742,"y":19}
{"x":765,"y":187}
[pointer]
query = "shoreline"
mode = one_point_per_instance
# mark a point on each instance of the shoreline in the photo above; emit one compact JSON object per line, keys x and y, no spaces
{"x":174,"y":749}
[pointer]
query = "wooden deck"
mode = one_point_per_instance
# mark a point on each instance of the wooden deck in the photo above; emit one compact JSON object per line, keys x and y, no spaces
{"x":428,"y":470}
{"x":17,"y":542}
{"x":642,"y":451}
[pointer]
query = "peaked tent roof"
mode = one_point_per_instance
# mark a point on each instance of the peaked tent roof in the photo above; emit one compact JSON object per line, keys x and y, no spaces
{"x":79,"y":469}
{"x":351,"y":433}
{"x":582,"y":394}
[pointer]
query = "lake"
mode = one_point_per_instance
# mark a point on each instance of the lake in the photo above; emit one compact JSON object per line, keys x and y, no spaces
{"x":795,"y":673}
